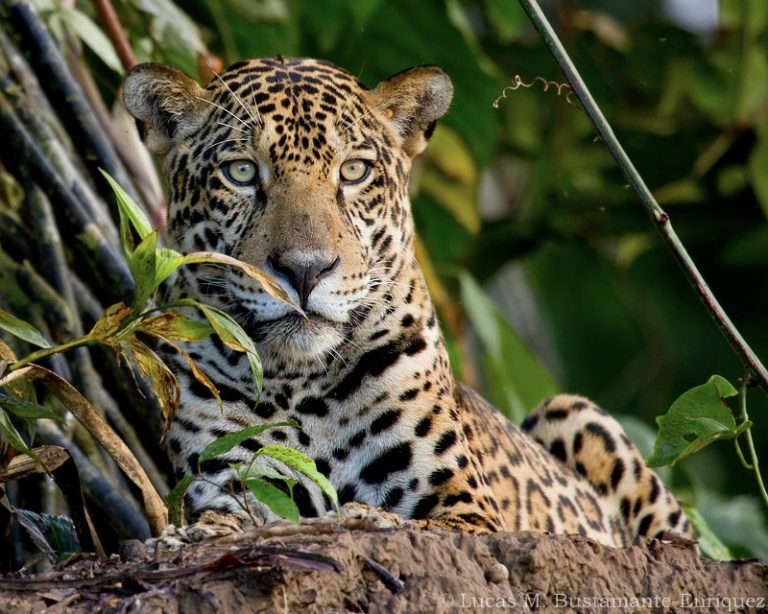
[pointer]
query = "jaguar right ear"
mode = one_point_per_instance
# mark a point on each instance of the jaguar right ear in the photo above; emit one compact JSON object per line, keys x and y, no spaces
{"x":166,"y":104}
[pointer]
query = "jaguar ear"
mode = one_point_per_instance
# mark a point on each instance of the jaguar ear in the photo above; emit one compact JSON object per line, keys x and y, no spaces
{"x":166,"y":104}
{"x":415,"y":98}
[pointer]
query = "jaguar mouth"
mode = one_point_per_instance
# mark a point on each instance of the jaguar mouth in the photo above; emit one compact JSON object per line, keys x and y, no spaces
{"x":291,"y":324}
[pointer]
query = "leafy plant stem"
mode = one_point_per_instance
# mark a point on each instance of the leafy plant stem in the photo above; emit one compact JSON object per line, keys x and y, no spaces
{"x":750,"y":442}
{"x":652,"y":208}
{"x":45,"y":352}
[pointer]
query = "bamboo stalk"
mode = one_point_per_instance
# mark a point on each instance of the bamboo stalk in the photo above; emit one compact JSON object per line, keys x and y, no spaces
{"x":67,"y":98}
{"x":24,"y":159}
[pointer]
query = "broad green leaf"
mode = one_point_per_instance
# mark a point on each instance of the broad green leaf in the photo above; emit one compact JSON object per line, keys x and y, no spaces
{"x":177,"y":326}
{"x":174,"y":500}
{"x":518,"y":381}
{"x":738,"y":520}
{"x":274,"y":498}
{"x":129,"y":212}
{"x":710,"y":543}
{"x":32,"y":524}
{"x":758,"y":162}
{"x":233,"y":336}
{"x":143,"y":265}
{"x":88,"y":32}
{"x":168,"y":260}
{"x":22,"y":330}
{"x":698,"y":417}
{"x":27,"y":410}
{"x":261,"y":470}
{"x":450,"y":180}
{"x":507,"y":18}
{"x":11,"y":435}
{"x":50,"y":531}
{"x":225,"y":443}
{"x":303,"y":464}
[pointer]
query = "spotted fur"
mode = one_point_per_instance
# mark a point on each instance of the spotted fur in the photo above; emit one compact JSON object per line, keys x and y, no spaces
{"x":368,"y":378}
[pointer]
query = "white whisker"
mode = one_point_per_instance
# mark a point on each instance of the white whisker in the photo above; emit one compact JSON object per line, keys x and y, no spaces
{"x":258,"y":121}
{"x":217,"y":144}
{"x":218,"y":106}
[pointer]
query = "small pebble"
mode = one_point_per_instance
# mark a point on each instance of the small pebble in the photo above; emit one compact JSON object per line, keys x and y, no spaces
{"x":132,"y":549}
{"x":497,"y":573}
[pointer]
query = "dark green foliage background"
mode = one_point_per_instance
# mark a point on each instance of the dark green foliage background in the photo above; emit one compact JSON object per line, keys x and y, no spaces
{"x":615,"y":318}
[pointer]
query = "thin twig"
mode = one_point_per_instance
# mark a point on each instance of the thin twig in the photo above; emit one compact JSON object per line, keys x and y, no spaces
{"x":111,"y":24}
{"x":656,"y":213}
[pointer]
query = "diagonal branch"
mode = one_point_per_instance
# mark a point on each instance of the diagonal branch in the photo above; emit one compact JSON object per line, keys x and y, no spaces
{"x":652,"y":208}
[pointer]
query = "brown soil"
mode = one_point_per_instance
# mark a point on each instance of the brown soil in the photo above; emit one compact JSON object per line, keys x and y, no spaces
{"x":395,"y":570}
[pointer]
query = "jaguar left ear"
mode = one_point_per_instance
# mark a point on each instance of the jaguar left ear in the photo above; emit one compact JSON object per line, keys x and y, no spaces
{"x":166,"y":104}
{"x":416,"y":98}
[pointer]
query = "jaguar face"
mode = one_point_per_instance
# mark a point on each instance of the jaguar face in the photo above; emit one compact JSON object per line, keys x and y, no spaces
{"x":293,"y":166}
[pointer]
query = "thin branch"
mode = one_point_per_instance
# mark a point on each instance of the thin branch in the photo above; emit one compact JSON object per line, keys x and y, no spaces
{"x":652,"y":208}
{"x":111,"y":24}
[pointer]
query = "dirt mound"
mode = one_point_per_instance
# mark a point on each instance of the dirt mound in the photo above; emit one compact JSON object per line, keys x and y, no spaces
{"x":400,"y":570}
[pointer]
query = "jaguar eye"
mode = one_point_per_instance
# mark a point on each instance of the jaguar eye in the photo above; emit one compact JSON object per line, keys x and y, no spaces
{"x":355,"y":171}
{"x":240,"y":172}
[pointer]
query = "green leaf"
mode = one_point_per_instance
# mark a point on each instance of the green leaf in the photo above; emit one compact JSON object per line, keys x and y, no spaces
{"x":698,"y":417}
{"x":88,"y":32}
{"x":517,"y":380}
{"x":303,"y":464}
{"x":253,"y":471}
{"x":28,"y":411}
{"x":233,"y":336}
{"x":129,"y":212}
{"x":168,"y":260}
{"x":225,"y":443}
{"x":9,"y":433}
{"x":144,"y":268}
{"x":174,"y":500}
{"x":22,"y":330}
{"x":710,"y":543}
{"x":33,"y":525}
{"x":274,"y":498}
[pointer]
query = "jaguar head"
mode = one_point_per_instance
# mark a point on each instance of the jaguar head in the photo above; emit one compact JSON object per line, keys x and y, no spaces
{"x":295,"y":167}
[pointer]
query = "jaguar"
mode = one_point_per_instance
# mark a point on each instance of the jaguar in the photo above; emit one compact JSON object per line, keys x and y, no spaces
{"x":297,"y":168}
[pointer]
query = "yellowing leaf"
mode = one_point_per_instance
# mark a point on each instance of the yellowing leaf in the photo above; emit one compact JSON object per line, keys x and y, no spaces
{"x":456,"y":198}
{"x":163,"y":381}
{"x":110,"y":322}
{"x":268,"y":283}
{"x":449,"y":153}
{"x":196,"y":372}
{"x":176,"y":326}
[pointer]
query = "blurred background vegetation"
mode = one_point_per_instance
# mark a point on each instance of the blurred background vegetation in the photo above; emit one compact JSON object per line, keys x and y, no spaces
{"x":523,"y":201}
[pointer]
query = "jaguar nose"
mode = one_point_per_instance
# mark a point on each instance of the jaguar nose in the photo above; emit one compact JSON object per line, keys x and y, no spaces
{"x":302,"y":272}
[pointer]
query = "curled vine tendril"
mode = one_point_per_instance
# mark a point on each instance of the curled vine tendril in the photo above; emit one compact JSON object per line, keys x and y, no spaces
{"x":517,"y":83}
